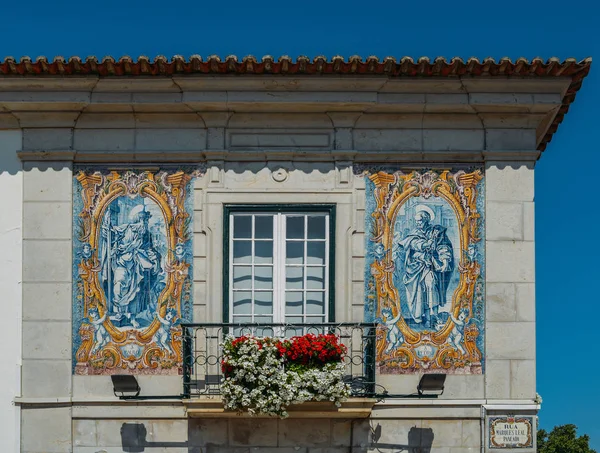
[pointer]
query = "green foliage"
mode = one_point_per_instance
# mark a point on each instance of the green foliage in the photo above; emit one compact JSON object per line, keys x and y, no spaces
{"x":563,"y":439}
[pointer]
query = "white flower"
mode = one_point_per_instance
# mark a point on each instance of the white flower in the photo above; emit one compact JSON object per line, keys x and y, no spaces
{"x":260,"y":383}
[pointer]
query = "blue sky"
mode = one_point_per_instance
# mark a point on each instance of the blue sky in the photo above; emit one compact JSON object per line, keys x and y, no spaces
{"x":567,"y":214}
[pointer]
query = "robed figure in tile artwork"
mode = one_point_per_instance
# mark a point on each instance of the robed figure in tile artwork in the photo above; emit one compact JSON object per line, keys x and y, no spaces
{"x":427,"y":261}
{"x":131,"y":270}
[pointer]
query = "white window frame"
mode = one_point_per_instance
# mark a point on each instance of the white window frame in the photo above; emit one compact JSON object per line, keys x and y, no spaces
{"x":280,"y":216}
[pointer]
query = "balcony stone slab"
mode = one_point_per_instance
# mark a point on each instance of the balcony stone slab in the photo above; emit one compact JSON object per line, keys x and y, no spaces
{"x":207,"y":407}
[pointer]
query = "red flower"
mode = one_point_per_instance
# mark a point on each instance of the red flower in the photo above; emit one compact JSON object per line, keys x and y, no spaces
{"x":312,"y":349}
{"x":226,"y":369}
{"x":307,"y":350}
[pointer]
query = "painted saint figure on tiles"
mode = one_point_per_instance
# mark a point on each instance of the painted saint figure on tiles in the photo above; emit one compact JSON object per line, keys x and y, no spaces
{"x":427,"y":261}
{"x":132,"y":275}
{"x":425,"y":274}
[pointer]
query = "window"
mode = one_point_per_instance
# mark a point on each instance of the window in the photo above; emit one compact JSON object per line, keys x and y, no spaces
{"x":278,"y":266}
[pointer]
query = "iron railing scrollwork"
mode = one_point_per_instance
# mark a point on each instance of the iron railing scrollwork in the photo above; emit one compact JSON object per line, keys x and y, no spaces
{"x":202,"y":352}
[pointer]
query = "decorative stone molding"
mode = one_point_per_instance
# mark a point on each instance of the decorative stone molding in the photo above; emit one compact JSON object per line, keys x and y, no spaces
{"x":351,"y":408}
{"x":279,"y":175}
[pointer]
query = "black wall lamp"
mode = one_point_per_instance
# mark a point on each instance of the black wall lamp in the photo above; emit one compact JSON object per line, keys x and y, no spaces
{"x":126,"y":387}
{"x":125,"y":384}
{"x":431,"y":384}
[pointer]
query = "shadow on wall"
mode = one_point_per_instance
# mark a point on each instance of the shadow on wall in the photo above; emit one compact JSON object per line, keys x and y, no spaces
{"x":133,"y":439}
{"x":420,"y":440}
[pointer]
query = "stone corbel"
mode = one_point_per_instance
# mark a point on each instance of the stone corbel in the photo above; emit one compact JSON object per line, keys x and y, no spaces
{"x":215,"y":167}
{"x":216,"y":123}
{"x":343,"y":125}
{"x":343,"y":173}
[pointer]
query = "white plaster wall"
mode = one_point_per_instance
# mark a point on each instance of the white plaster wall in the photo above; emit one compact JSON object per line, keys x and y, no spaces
{"x":510,"y":282}
{"x":46,"y":346}
{"x":11,"y":214}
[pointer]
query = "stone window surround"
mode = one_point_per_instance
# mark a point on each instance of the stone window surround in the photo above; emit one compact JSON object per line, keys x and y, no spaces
{"x":211,"y":221}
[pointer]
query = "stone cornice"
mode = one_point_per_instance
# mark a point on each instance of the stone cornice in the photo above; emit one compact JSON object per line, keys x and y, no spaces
{"x":346,"y":156}
{"x":346,"y":102}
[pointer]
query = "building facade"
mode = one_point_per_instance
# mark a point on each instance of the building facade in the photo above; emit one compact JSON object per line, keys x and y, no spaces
{"x":146,"y":204}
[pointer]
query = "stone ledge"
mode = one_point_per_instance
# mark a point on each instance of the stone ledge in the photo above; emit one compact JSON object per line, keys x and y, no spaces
{"x":351,"y":408}
{"x":50,"y":155}
{"x":406,"y":157}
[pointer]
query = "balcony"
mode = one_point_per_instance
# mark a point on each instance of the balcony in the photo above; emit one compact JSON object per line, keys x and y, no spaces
{"x":203,"y":376}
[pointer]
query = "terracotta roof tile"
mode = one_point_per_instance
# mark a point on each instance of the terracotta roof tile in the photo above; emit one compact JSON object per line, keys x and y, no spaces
{"x":284,"y":65}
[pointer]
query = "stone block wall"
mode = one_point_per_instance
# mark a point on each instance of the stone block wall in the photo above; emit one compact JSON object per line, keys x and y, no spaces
{"x":156,"y":435}
{"x":11,"y":287}
{"x":248,"y":435}
{"x":509,"y":373}
{"x":307,"y":156}
{"x":46,"y":365}
{"x":510,"y":249}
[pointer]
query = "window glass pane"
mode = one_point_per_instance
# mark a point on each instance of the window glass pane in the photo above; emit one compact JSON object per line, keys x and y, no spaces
{"x":263,"y":320}
{"x":316,"y":227}
{"x":293,"y":331}
{"x":263,"y":252}
{"x":242,"y":302}
{"x":315,"y":278}
{"x":263,"y":303}
{"x":242,"y":319}
{"x":315,"y":319}
{"x":264,"y":331}
{"x":294,"y":277}
{"x":315,"y":327}
{"x":315,"y":303}
{"x":242,"y":276}
{"x":263,"y":277}
{"x":293,"y":303}
{"x":295,"y":227}
{"x":294,"y":253}
{"x":239,"y":331}
{"x":242,"y":252}
{"x":242,"y":226}
{"x":263,"y":227}
{"x":316,"y":253}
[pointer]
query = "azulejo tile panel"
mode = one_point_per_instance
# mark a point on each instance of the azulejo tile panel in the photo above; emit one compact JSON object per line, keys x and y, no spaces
{"x":425,"y":264}
{"x":132,"y":273}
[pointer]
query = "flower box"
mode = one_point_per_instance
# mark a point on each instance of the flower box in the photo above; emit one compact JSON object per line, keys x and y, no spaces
{"x":266,"y":376}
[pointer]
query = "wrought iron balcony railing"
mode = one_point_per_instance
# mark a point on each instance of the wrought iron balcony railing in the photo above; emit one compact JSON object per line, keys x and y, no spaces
{"x":202,"y":352}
